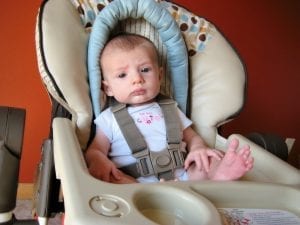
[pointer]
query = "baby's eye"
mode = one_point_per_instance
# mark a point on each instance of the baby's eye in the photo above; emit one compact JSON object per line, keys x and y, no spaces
{"x":122,"y":75}
{"x":145,"y":70}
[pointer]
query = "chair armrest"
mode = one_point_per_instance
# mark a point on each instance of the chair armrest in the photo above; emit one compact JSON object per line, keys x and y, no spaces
{"x":67,"y":150}
{"x":70,"y":167}
{"x":83,"y":193}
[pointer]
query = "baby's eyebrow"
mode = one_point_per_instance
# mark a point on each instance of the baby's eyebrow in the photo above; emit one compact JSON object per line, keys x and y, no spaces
{"x":121,"y":68}
{"x":147,"y":63}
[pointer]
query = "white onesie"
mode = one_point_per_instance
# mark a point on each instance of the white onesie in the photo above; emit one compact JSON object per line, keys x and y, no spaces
{"x":150,"y":121}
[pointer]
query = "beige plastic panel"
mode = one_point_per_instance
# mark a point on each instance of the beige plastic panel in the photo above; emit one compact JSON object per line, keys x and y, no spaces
{"x":217,"y":76}
{"x":91,"y":201}
{"x":64,"y":44}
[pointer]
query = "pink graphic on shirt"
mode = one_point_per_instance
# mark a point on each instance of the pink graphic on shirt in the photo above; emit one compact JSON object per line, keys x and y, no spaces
{"x":148,"y":118}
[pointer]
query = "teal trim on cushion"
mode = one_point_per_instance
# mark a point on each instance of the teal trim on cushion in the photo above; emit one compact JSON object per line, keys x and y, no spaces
{"x":168,"y":30}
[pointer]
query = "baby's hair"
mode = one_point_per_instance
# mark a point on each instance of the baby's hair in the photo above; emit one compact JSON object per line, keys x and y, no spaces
{"x":128,"y":41}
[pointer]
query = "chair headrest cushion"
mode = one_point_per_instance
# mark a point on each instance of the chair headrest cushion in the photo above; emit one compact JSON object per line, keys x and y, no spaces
{"x":168,"y":30}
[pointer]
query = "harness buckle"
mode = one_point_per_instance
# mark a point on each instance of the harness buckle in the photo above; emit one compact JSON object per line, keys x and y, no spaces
{"x":177,"y":155}
{"x":156,"y":163}
{"x":161,"y":161}
{"x":143,"y":163}
{"x":161,"y":164}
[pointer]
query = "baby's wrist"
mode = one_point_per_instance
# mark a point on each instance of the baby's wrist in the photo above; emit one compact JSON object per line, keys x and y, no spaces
{"x":198,"y":148}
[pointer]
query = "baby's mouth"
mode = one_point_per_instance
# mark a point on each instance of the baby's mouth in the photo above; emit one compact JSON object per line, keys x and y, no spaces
{"x":138,"y":92}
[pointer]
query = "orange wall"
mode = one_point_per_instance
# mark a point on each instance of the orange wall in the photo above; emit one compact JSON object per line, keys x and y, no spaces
{"x":20,"y":84}
{"x":265,"y":33}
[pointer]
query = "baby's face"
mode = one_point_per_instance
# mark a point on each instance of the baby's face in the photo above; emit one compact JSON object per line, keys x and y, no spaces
{"x":131,"y":76}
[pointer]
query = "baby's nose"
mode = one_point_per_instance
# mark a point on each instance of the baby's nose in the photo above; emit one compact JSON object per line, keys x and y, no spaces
{"x":138,"y":78}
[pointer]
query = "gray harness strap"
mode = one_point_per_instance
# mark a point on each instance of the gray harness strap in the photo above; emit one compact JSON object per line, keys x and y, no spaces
{"x":162,"y":163}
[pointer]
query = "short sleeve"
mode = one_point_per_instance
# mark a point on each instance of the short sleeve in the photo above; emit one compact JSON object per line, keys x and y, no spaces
{"x":186,"y":122}
{"x":104,"y":122}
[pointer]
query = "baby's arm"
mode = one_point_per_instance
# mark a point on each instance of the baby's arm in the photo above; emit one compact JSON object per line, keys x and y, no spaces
{"x":198,"y":152}
{"x":99,"y":165}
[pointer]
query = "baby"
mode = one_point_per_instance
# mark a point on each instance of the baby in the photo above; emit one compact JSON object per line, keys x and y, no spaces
{"x":132,"y":75}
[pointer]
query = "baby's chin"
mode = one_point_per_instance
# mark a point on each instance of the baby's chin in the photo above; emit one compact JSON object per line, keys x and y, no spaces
{"x":141,"y":102}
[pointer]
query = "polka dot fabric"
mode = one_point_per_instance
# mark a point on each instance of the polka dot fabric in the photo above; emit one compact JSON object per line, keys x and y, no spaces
{"x":196,"y":31}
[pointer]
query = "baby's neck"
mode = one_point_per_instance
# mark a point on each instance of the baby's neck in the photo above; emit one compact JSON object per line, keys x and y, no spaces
{"x":143,"y":103}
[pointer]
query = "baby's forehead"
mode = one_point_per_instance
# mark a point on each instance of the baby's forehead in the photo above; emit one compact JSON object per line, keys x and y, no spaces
{"x":127,"y":41}
{"x":128,"y":44}
{"x":117,"y":46}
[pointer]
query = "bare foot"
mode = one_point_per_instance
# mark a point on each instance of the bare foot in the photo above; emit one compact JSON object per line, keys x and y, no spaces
{"x":234,"y":164}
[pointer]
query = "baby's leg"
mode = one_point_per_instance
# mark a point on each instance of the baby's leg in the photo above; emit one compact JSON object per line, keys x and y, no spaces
{"x":234,"y":164}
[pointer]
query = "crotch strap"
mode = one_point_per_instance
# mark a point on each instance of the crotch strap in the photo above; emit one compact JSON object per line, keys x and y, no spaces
{"x":162,"y":163}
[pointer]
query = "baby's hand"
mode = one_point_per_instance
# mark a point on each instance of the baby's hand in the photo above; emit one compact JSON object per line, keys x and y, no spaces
{"x":201,"y":157}
{"x":124,"y":179}
{"x":104,"y":169}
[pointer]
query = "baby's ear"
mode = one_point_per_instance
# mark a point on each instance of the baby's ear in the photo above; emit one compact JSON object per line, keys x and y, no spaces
{"x":161,"y":72}
{"x":106,"y":88}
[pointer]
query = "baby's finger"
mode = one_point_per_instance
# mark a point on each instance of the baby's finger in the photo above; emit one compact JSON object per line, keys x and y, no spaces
{"x":188,"y":161}
{"x":116,"y":173}
{"x":105,"y":177}
{"x":204,"y":162}
{"x":215,"y":154}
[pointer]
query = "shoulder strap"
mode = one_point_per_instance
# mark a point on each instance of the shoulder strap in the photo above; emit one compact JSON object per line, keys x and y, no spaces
{"x":145,"y":166}
{"x":135,"y":140}
{"x":168,"y":106}
{"x":133,"y":136}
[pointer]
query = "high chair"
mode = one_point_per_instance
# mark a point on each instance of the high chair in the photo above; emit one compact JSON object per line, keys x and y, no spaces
{"x":205,"y":76}
{"x":12,"y":124}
